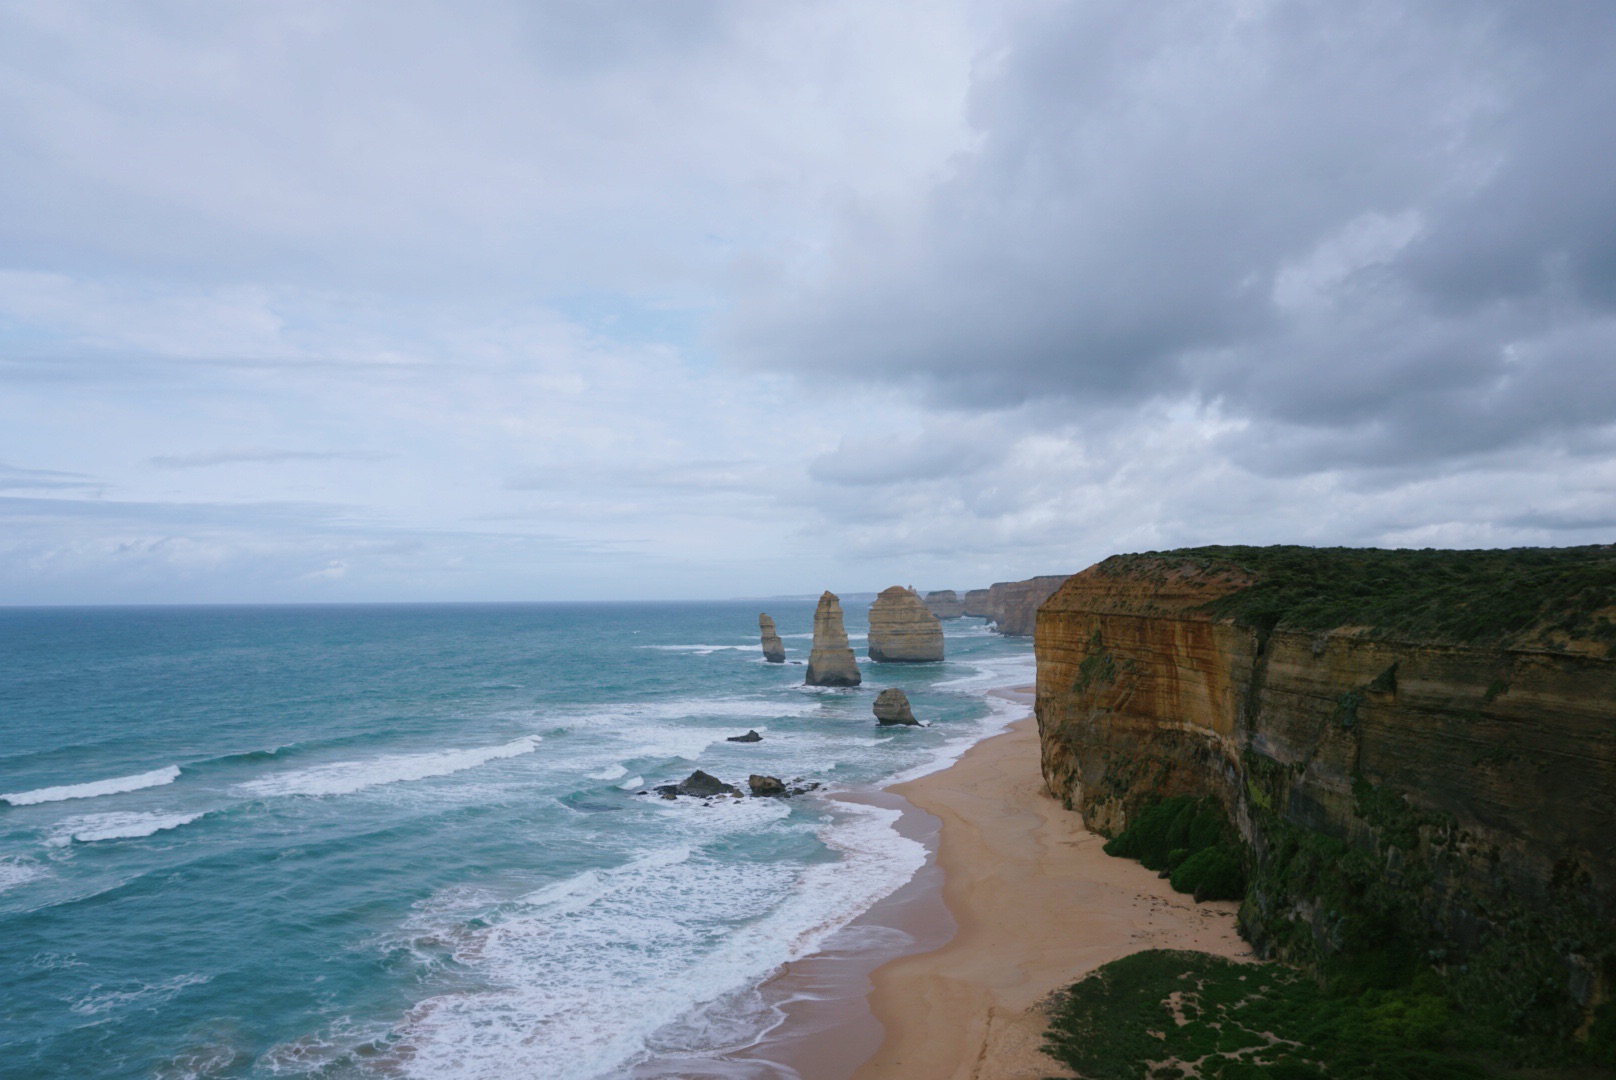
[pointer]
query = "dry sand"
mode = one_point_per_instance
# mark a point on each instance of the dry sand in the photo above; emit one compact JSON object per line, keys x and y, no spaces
{"x":1037,"y":904}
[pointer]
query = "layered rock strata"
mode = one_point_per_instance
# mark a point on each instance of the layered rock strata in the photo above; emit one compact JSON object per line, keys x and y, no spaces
{"x":892,"y":707}
{"x":1012,"y":606}
{"x":774,"y":650}
{"x":945,"y":604}
{"x":831,"y":663}
{"x":975,"y":604}
{"x":1457,"y":798}
{"x":902,"y":631}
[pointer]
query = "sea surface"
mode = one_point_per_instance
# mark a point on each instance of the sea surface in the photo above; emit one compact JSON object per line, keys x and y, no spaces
{"x":401,"y":841}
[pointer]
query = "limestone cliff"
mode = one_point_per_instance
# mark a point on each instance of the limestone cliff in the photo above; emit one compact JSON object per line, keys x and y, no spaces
{"x":1450,"y":790}
{"x":975,"y":604}
{"x":774,"y":650}
{"x":1012,"y":606}
{"x":831,"y":663}
{"x":902,"y":630}
{"x":945,"y":604}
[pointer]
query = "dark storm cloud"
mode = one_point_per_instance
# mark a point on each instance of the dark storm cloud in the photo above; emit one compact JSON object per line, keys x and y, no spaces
{"x":1380,"y":232}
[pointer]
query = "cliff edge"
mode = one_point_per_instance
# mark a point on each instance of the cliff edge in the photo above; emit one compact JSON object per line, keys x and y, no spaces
{"x":1418,"y":750}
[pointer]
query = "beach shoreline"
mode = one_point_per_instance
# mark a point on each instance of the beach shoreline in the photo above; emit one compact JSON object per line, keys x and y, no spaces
{"x":1016,"y":902}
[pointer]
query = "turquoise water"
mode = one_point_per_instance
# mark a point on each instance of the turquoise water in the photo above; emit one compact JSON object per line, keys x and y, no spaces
{"x":408,"y":841}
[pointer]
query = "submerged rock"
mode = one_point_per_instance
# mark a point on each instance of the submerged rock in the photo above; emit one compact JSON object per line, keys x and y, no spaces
{"x":704,"y":785}
{"x":831,"y":663}
{"x":750,"y":736}
{"x":774,"y":650}
{"x":945,"y":604}
{"x":892,"y":707}
{"x":767,"y":786}
{"x":902,"y":631}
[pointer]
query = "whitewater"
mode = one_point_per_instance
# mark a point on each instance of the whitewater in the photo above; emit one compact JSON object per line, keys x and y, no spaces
{"x":422,"y":840}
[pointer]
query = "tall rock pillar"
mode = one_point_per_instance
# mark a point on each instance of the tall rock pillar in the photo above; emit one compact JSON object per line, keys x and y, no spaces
{"x":774,"y":650}
{"x":831,"y":663}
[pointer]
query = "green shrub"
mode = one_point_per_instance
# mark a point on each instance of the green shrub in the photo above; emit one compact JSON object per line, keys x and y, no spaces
{"x":1212,"y":874}
{"x":1193,"y":839}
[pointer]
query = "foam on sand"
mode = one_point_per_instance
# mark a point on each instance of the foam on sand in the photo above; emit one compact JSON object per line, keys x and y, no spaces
{"x":115,"y":786}
{"x":346,"y":777}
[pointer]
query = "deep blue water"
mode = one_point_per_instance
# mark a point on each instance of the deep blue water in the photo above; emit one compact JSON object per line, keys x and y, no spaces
{"x":408,"y":840}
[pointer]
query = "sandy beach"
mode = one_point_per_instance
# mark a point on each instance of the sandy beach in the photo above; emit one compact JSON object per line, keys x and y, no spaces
{"x":1037,"y":904}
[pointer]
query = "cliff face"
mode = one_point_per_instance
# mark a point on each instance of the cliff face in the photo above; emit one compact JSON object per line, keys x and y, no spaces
{"x":1470,"y":789}
{"x":774,"y":650}
{"x":902,"y":630}
{"x":1012,"y":606}
{"x":944,"y":604}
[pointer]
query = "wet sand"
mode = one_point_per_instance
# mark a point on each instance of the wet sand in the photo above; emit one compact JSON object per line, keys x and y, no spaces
{"x":1037,"y":904}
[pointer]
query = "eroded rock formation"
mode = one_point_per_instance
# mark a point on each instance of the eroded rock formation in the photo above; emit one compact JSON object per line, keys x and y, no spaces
{"x":892,"y":707}
{"x":902,"y":631}
{"x":750,"y":736}
{"x":1460,"y":798}
{"x":704,"y":785}
{"x":975,"y":604}
{"x":945,"y":604}
{"x":1012,"y":606}
{"x":774,"y":650}
{"x":831,"y":663}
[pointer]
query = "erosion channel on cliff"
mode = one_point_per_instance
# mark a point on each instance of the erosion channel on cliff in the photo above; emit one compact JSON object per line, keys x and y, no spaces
{"x":1413,"y":754}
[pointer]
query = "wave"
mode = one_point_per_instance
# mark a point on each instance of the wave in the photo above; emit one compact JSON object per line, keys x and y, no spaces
{"x":610,"y":772}
{"x":89,"y":828}
{"x":631,"y":783}
{"x":706,"y":650}
{"x":591,"y":968}
{"x":115,"y":786}
{"x":346,"y":777}
{"x":14,"y":872}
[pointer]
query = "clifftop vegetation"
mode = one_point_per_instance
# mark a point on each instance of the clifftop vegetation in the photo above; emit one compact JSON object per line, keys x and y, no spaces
{"x":1547,"y":597}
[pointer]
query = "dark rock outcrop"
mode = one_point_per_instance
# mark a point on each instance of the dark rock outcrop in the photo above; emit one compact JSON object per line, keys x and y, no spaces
{"x":892,"y":707}
{"x":1460,"y":796}
{"x":767,"y":786}
{"x":704,"y":785}
{"x":750,"y":736}
{"x":774,"y":650}
{"x":902,"y":630}
{"x":944,"y":604}
{"x":831,"y":663}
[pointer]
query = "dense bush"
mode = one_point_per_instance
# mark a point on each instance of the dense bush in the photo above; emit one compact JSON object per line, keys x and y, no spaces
{"x":1192,"y":839}
{"x":1492,"y":596}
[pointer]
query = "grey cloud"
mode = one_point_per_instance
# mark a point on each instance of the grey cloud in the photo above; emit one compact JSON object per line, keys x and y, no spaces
{"x":204,"y":460}
{"x":1386,"y":225}
{"x":13,"y":478}
{"x":896,"y":458}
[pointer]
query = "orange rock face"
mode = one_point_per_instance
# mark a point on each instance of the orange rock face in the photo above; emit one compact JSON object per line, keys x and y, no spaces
{"x":1012,"y":606}
{"x":1493,"y":770}
{"x":902,"y":630}
{"x":831,"y":662}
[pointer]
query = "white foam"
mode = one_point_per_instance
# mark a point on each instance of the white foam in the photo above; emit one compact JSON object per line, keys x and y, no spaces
{"x":631,"y":783}
{"x":100,"y":1000}
{"x":706,"y":650}
{"x":14,"y":872}
{"x":611,"y":772}
{"x":346,"y":777}
{"x":115,"y":786}
{"x":89,"y":828}
{"x":589,"y":968}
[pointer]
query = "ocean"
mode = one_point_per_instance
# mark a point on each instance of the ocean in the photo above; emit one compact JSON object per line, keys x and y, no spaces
{"x":401,"y":840}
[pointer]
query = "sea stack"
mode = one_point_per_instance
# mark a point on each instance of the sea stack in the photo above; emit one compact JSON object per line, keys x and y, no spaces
{"x":831,"y":663}
{"x":774,"y":650}
{"x":892,"y":707}
{"x":902,"y":631}
{"x":945,"y":604}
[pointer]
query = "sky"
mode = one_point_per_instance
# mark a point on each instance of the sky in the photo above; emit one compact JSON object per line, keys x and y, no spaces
{"x":340,"y":301}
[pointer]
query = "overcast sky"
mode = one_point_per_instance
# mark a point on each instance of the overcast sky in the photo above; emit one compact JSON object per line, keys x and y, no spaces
{"x":697,"y":298}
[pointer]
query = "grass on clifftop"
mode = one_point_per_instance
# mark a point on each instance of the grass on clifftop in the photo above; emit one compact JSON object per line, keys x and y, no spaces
{"x":1551,"y":595}
{"x":1146,"y":1016}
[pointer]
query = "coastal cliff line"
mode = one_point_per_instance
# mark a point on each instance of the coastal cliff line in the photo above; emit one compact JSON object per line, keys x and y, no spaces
{"x":1416,"y":749}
